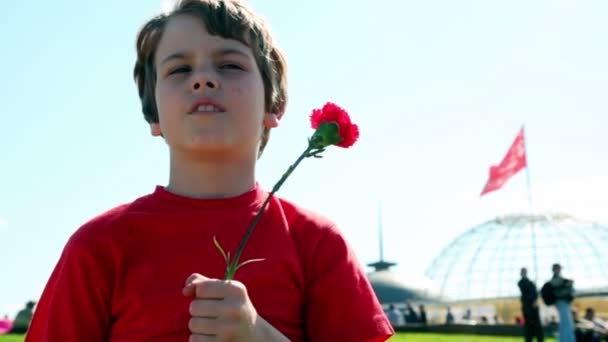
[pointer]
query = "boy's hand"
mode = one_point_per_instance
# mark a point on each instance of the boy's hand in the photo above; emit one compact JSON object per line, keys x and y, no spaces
{"x":222,"y":311}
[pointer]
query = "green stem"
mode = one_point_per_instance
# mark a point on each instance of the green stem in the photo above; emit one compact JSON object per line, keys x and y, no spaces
{"x":231,"y":269}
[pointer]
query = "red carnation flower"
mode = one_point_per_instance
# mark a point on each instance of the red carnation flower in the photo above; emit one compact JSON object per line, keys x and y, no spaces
{"x":332,"y":127}
{"x":332,"y":113}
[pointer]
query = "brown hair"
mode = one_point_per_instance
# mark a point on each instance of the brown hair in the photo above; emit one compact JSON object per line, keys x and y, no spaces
{"x":229,"y":19}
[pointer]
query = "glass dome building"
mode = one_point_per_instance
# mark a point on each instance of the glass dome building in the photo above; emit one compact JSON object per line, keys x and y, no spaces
{"x":485,"y":261}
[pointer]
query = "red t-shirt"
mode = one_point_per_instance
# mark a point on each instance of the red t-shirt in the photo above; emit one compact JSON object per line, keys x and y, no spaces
{"x":121,"y":275}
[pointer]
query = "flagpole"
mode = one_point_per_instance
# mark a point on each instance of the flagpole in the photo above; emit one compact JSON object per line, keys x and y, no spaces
{"x":528,"y":175}
{"x":532,"y":226}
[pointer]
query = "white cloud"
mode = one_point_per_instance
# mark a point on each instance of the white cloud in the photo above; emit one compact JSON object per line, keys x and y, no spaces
{"x":3,"y":221}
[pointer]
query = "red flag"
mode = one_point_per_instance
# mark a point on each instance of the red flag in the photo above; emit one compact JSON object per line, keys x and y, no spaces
{"x":514,"y":160}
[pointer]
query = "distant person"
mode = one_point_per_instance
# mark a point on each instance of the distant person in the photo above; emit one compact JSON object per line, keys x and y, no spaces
{"x":467,"y":315}
{"x":529,"y":306}
{"x":394,"y":316}
{"x":449,"y":317}
{"x":422,"y":314}
{"x":599,"y":323}
{"x":23,"y":319}
{"x":591,"y":328}
{"x":5,"y":325}
{"x":410,"y":315}
{"x":559,"y":291}
{"x":552,"y":324}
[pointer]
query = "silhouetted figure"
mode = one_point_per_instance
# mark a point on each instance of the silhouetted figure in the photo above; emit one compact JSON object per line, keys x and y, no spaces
{"x":410,"y":315}
{"x":422,"y":314}
{"x":552,"y":325}
{"x":5,"y":325}
{"x":23,"y":319}
{"x":449,"y":317}
{"x":394,"y":316}
{"x":590,"y":328}
{"x":529,"y":306}
{"x":559,"y":291}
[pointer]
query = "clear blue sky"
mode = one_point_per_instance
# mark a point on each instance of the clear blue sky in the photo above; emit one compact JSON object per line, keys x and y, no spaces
{"x":439,"y":88}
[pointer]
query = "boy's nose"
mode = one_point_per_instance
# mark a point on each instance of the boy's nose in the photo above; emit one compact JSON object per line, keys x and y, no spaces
{"x":208,"y":84}
{"x":204,"y":80}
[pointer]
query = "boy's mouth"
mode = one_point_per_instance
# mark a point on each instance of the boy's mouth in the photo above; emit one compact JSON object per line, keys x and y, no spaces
{"x":206,"y":106}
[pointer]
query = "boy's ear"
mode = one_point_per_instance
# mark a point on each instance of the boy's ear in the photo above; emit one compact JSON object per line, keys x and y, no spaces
{"x":271,"y":120}
{"x":155,"y":129}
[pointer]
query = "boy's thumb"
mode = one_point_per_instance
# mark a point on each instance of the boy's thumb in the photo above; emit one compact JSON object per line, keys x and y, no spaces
{"x":190,"y":287}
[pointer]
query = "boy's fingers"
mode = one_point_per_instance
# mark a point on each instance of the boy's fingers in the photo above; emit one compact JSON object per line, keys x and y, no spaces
{"x":211,"y":289}
{"x":195,"y":277}
{"x":203,"y":326}
{"x":202,"y":338}
{"x":208,"y":308}
{"x":207,"y":288}
{"x":189,"y":289}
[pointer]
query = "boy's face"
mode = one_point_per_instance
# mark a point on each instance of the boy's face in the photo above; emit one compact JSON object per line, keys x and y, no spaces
{"x":209,"y":92}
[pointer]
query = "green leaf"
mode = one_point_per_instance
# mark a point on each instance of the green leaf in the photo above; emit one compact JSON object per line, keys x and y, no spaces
{"x":226,"y":257}
{"x":248,"y":262}
{"x":315,"y":153}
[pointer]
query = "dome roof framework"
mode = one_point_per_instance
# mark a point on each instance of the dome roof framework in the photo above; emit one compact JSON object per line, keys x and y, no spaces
{"x":485,"y":261}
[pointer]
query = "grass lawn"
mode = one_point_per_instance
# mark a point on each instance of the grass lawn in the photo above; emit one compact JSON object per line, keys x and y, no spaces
{"x":453,"y":338}
{"x":396,"y":338}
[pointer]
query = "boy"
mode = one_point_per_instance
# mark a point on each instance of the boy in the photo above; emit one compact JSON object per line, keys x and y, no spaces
{"x":212,"y":84}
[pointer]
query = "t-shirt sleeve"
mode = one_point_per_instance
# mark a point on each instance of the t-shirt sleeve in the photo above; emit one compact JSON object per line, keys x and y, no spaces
{"x":75,"y":304}
{"x":340,"y":303}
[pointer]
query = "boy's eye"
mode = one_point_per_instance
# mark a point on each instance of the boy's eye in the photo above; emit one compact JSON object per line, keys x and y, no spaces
{"x":231,"y":66}
{"x":179,"y":70}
